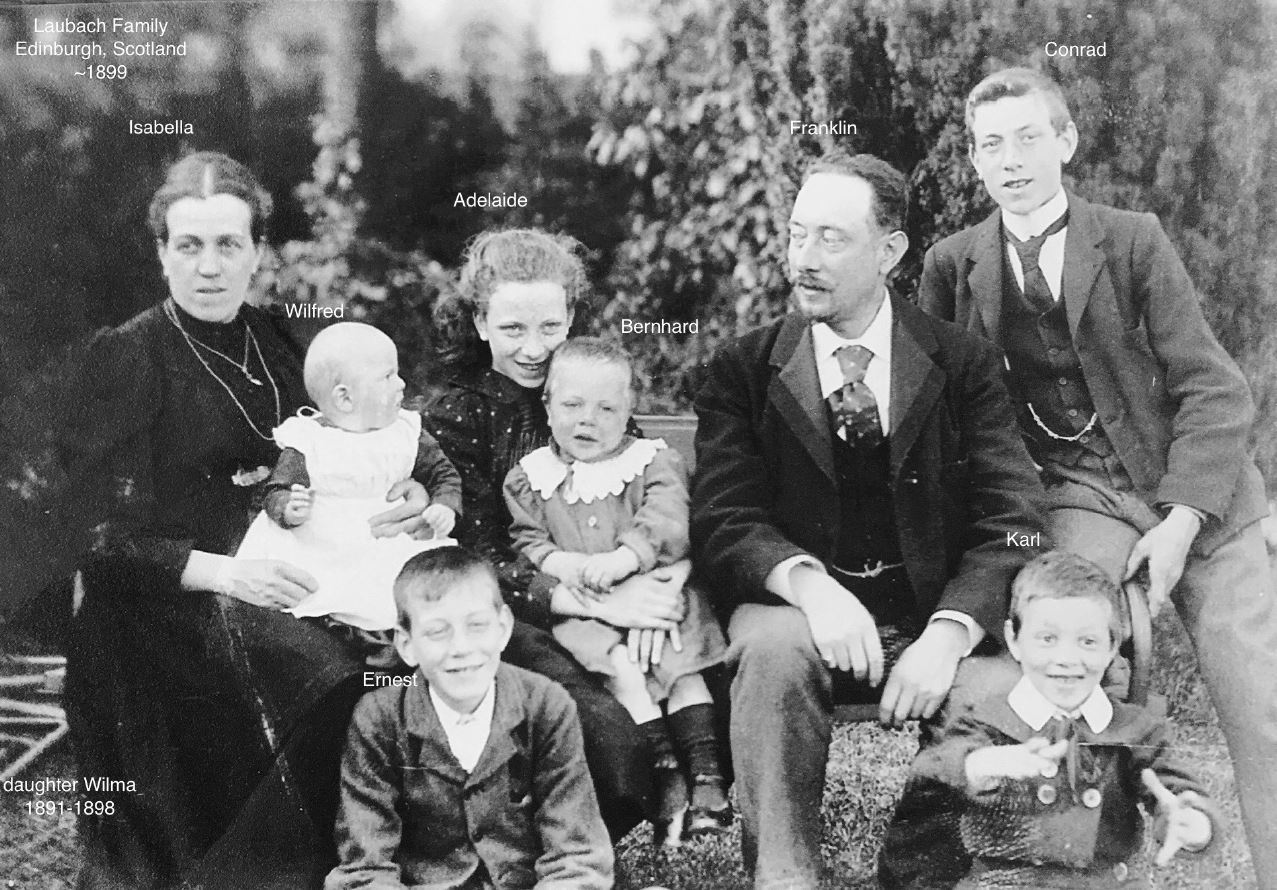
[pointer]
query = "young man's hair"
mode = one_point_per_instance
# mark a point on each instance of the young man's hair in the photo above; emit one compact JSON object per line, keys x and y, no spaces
{"x":888,"y":185}
{"x":1063,"y":575}
{"x":428,"y":576}
{"x":1012,"y":82}
{"x":593,"y":349}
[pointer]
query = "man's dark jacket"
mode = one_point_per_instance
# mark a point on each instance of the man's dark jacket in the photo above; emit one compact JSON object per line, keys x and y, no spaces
{"x":961,"y":481}
{"x":1173,"y":403}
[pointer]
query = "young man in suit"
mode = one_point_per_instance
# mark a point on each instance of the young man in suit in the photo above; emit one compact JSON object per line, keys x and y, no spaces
{"x":859,"y":498}
{"x":1135,"y":414}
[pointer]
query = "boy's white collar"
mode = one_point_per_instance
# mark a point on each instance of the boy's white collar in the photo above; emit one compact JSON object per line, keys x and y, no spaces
{"x":450,"y":716}
{"x":1033,"y":708}
{"x":1035,"y":222}
{"x":593,"y":481}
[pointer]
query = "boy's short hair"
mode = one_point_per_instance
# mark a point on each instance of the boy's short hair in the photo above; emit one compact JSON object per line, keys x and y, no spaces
{"x":428,"y":576}
{"x":1011,"y":82}
{"x":593,"y":349}
{"x":1063,"y":575}
{"x":329,"y":356}
{"x":888,"y":185}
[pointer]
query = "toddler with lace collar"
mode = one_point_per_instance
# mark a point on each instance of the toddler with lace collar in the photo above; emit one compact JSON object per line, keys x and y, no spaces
{"x":1054,"y":771}
{"x":335,"y":468}
{"x":593,"y":508}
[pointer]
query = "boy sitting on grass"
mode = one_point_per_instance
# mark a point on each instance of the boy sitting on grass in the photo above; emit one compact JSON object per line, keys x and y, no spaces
{"x":475,"y":776}
{"x":1054,"y":770}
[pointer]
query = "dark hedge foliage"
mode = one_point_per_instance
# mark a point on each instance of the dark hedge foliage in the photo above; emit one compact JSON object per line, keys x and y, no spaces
{"x":1179,"y":118}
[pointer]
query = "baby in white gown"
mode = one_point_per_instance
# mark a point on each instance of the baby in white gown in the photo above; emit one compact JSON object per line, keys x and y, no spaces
{"x":333,"y":473}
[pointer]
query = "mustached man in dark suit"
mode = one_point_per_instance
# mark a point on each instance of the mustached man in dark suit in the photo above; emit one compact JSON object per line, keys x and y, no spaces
{"x":1136,"y":415}
{"x":860,"y":499}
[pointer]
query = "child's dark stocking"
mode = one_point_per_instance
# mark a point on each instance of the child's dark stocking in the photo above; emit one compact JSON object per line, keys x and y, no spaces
{"x":669,"y":820}
{"x":693,"y":731}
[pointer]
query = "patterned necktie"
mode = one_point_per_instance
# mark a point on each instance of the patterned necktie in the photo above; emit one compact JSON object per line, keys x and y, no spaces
{"x":854,"y":406}
{"x":1035,"y":286}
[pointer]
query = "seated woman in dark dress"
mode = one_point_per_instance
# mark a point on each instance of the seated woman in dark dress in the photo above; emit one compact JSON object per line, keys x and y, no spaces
{"x":515,"y":303}
{"x":215,"y":719}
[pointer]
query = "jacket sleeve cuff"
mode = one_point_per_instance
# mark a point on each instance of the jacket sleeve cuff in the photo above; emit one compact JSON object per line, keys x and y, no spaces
{"x":534,"y":601}
{"x":975,"y":632}
{"x":777,"y":581}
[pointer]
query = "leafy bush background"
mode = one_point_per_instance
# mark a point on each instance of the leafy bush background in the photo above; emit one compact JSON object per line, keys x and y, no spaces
{"x":677,"y":172}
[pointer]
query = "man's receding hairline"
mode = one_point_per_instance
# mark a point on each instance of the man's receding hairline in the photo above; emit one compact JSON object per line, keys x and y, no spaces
{"x":871,"y":217}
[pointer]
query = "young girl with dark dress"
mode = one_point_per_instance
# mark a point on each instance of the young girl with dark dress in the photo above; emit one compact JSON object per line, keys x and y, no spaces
{"x":214,"y":719}
{"x":515,"y":303}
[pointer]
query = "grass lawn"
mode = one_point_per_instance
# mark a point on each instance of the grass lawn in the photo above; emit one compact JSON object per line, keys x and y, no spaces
{"x":866,"y":773}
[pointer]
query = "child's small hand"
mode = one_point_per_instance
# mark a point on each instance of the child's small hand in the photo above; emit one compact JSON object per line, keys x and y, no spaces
{"x":297,"y":508}
{"x":602,"y":570}
{"x":564,"y":565}
{"x":441,"y":519}
{"x":1187,"y":828}
{"x":987,"y":767}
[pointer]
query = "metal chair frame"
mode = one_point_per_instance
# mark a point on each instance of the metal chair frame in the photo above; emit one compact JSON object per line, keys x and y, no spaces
{"x":34,"y":722}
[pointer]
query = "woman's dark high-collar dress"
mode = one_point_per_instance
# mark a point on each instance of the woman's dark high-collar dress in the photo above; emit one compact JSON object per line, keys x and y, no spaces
{"x":221,"y":721}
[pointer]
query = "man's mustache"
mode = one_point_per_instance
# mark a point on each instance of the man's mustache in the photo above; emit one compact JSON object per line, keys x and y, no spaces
{"x":810,"y":282}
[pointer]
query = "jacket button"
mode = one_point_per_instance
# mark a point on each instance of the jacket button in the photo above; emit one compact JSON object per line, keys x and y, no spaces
{"x":1121,"y":872}
{"x":1091,"y":798}
{"x":1049,"y":771}
{"x":1046,"y":794}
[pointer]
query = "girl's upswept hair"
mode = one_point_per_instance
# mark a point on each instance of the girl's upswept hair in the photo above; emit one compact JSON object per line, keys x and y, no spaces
{"x":494,"y":258}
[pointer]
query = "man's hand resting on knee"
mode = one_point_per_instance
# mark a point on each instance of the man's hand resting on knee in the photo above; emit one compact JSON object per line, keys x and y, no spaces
{"x":921,"y":679}
{"x":842,"y":629}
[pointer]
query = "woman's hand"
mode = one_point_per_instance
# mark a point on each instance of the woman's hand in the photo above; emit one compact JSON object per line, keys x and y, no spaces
{"x":269,"y":583}
{"x":404,"y":519}
{"x":653,"y":600}
{"x":645,"y":646}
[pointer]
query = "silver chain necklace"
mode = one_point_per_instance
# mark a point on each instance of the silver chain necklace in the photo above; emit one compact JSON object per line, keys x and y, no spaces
{"x":242,"y":367}
{"x":170,"y":312}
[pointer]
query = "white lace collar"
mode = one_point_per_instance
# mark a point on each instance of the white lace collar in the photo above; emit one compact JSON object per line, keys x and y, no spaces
{"x":588,"y":481}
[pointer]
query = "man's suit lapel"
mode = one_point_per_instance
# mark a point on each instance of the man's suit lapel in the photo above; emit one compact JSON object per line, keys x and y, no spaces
{"x":985,"y":278}
{"x":1083,"y":259}
{"x":916,"y":380}
{"x":796,"y":392}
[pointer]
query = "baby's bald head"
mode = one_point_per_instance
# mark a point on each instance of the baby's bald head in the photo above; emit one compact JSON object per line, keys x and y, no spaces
{"x":337,"y":356}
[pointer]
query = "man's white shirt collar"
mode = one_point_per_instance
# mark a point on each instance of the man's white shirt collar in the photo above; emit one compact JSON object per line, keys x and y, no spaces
{"x":467,"y":733}
{"x":877,"y":339}
{"x":1051,"y":255}
{"x":1035,"y":222}
{"x":1033,"y":708}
